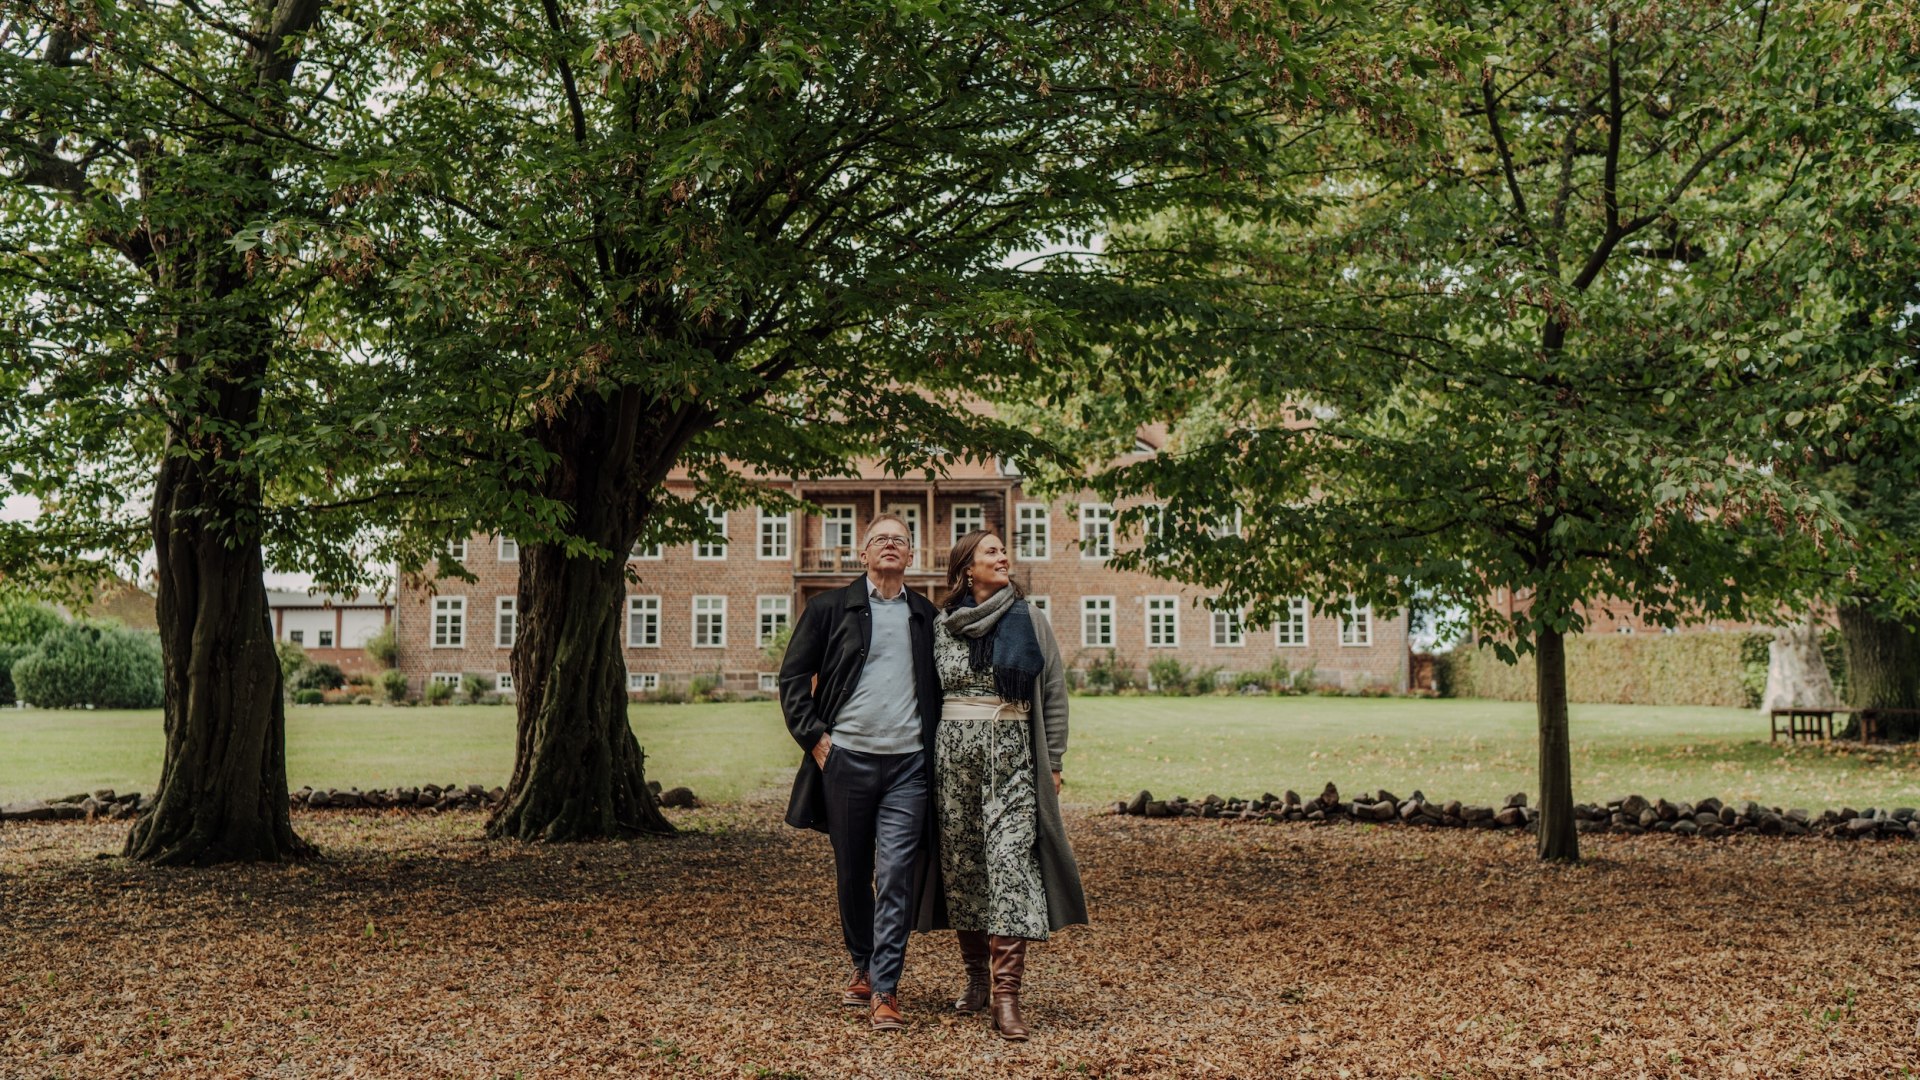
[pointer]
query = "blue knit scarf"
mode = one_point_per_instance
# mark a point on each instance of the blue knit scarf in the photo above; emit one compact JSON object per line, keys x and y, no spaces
{"x":999,"y":636}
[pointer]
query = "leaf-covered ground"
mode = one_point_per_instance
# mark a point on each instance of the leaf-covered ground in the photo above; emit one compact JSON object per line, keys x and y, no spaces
{"x":1218,"y":950}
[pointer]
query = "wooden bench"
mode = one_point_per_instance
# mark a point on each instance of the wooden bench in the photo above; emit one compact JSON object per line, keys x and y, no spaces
{"x":1802,"y":723}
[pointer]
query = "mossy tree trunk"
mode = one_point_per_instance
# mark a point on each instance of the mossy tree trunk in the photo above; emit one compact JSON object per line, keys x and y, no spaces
{"x":1883,"y":666}
{"x":578,"y":771}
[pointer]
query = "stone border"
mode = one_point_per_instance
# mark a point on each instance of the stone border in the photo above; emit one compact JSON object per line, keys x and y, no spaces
{"x":106,"y":803}
{"x":1629,"y":815}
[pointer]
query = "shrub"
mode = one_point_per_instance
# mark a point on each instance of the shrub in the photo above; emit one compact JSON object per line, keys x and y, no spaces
{"x":319,"y":677}
{"x":1248,"y":681}
{"x":438,"y":693}
{"x":293,"y":661}
{"x":22,"y":625}
{"x":9,"y":654}
{"x":394,"y":684}
{"x":382,"y":648}
{"x":1167,"y":675}
{"x":775,"y":650}
{"x":1105,"y":674}
{"x":103,"y":665}
{"x":309,"y":696}
{"x":666,"y":695}
{"x":708,"y":687}
{"x":474,"y":687}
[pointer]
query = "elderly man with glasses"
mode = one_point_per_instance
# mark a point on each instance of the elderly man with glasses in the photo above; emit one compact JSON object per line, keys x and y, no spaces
{"x":861,"y":697}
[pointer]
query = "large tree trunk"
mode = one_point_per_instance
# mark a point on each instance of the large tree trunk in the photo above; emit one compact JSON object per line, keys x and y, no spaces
{"x":1883,"y":665}
{"x":578,"y":772}
{"x":1559,"y":842}
{"x":1797,"y":676}
{"x":223,"y":785}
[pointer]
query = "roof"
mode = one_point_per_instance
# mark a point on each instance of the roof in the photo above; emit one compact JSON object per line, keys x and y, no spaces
{"x":285,"y":598}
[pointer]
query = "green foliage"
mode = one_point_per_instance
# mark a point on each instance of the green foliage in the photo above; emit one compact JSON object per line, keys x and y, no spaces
{"x":293,"y":662}
{"x":775,"y":650}
{"x":1106,"y":673}
{"x":1168,"y":676}
{"x":474,"y":687}
{"x":708,"y":686}
{"x":383,"y":648}
{"x":309,"y":696}
{"x":323,"y":676}
{"x":102,"y":665}
{"x":393,"y":683}
{"x":1626,"y":669}
{"x":437,"y":693}
{"x":22,"y":625}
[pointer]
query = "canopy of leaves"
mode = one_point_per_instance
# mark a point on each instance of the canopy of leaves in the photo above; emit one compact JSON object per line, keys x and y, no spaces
{"x":1575,"y":344}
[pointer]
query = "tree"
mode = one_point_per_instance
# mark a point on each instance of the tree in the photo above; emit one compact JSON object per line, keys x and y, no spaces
{"x":741,"y":240}
{"x":163,"y":311}
{"x":1547,"y":351}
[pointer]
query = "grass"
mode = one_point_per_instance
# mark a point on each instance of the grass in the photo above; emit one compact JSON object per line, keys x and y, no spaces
{"x":1469,"y":750}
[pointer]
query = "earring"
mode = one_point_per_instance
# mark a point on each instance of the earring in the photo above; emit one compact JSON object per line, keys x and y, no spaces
{"x":969,"y":580}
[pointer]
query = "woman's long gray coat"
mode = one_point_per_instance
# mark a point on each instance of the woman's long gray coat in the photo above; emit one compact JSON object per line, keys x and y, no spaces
{"x":1059,"y":873}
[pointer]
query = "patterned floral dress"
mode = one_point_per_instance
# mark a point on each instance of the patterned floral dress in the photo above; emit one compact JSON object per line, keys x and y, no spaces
{"x":987,"y":804}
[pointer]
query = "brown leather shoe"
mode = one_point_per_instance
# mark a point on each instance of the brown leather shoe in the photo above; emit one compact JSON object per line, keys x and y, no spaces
{"x":1009,"y":959}
{"x":859,"y":992}
{"x":886,"y":1013}
{"x":973,"y":953}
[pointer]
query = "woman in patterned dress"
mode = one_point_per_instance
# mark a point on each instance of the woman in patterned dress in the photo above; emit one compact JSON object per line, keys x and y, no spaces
{"x":1006,"y":869}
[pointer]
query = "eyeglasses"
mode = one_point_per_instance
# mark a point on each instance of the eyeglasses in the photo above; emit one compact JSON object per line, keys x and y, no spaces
{"x":890,"y":542}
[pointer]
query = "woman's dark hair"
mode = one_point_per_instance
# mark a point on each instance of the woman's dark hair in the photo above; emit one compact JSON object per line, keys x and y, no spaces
{"x":959,"y":561}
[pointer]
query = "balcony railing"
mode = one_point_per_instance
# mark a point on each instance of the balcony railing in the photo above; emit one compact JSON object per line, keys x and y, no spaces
{"x":846,"y":560}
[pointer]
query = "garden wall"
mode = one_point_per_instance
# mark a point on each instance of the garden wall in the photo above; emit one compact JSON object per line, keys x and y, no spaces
{"x":1624,"y":669}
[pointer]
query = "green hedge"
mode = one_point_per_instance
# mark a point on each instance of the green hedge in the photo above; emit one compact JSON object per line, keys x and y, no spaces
{"x":100,"y":664}
{"x":1625,"y":669}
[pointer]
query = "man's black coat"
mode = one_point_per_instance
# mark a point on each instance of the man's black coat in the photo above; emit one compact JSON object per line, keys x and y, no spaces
{"x":825,"y":656}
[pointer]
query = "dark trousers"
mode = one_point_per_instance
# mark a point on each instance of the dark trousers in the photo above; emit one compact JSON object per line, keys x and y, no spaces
{"x":876,"y":815}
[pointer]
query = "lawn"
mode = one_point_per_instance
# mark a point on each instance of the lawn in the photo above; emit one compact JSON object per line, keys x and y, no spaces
{"x":1469,"y":750}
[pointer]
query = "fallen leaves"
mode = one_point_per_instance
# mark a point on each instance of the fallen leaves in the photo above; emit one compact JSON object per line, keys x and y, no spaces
{"x":417,"y":950}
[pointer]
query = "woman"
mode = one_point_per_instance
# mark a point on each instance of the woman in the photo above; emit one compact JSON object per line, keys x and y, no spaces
{"x":1008,"y":874}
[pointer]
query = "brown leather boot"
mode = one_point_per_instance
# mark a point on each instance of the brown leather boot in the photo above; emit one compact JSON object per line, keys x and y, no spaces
{"x":1009,"y":958}
{"x":886,"y":1013}
{"x":859,"y":992}
{"x":973,"y":953}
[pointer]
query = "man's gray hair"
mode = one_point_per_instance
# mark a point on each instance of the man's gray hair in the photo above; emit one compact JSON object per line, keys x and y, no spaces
{"x":880,"y":519}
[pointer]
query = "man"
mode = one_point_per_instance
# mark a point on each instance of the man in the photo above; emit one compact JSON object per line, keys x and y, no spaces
{"x":861,"y":697}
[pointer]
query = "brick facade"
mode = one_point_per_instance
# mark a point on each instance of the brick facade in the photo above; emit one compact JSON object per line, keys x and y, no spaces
{"x":672,"y":641}
{"x":332,"y":629}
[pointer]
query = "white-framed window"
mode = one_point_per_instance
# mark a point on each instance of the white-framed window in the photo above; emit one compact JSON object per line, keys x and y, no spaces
{"x":643,"y":622}
{"x":1096,"y":621}
{"x":509,"y":549}
{"x":445,"y":678}
{"x":837,"y":527}
{"x":298,"y":637}
{"x":1096,"y":531}
{"x":769,"y":682}
{"x":1163,"y":622}
{"x":709,"y":622}
{"x":775,"y":613}
{"x":1033,"y":531}
{"x":457,"y":550}
{"x":644,"y":550}
{"x":711,"y":552}
{"x":1290,"y":631}
{"x":323,"y":639}
{"x":503,"y":682}
{"x":1356,"y":626}
{"x":1229,"y":629}
{"x":776,"y":535}
{"x":1227,"y":524}
{"x":640,"y":682}
{"x":967,"y":517}
{"x":506,"y":622}
{"x":910,"y":513}
{"x":449,"y":622}
{"x":1039,"y":604}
